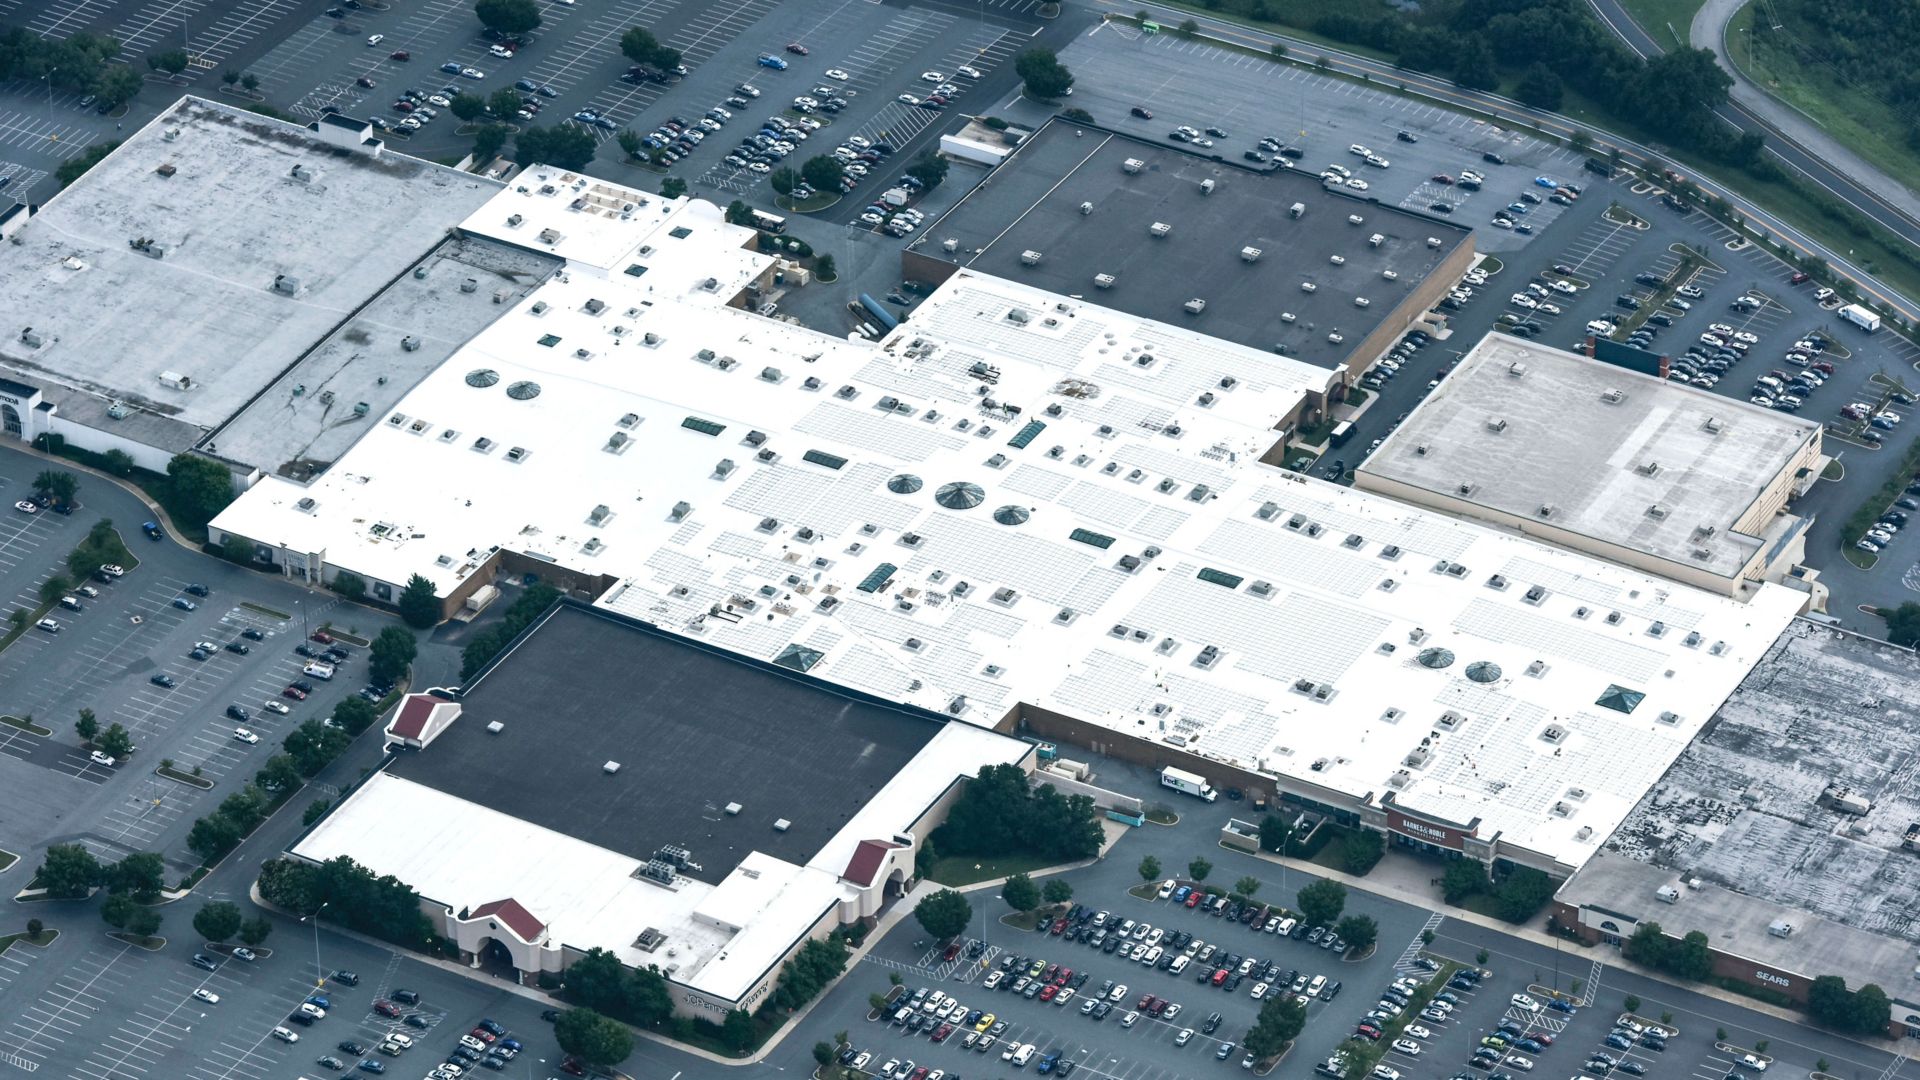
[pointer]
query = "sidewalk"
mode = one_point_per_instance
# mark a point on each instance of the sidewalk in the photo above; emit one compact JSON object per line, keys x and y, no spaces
{"x":1709,"y":31}
{"x":1413,"y":882}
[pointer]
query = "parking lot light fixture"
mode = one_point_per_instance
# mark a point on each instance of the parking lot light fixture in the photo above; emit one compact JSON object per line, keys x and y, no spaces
{"x":319,"y":973}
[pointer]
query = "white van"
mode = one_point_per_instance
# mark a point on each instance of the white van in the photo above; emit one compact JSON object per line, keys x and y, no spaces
{"x":1152,"y":957}
{"x":1022,"y":1056}
{"x":318,"y":670}
{"x":1180,"y":962}
{"x":1768,"y":381}
{"x":1286,"y":927}
{"x":1313,"y":988}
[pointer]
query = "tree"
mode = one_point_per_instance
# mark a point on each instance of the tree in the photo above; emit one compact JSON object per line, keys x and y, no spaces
{"x":1199,"y":868}
{"x":1473,"y":64}
{"x":1000,"y":811}
{"x":1020,"y":893}
{"x":593,"y":1038}
{"x":213,"y":836}
{"x":202,"y":486}
{"x":173,"y":61}
{"x":1281,"y":1021}
{"x":1903,"y":624}
{"x":217,"y":921}
{"x":54,"y":588}
{"x":86,"y":727}
{"x":1463,"y":878}
{"x":255,"y":930}
{"x":639,"y":45}
{"x":1043,"y":74}
{"x":1276,"y":834}
{"x":141,"y":875}
{"x":598,"y":981}
{"x":118,"y":909}
{"x":1692,"y":957}
{"x":1523,"y":893}
{"x":1361,"y":850}
{"x":667,"y":58}
{"x":236,"y":549}
{"x":115,"y":742}
{"x":488,"y":141}
{"x":419,"y":607}
{"x":648,"y":1000}
{"x":508,"y":16}
{"x":278,"y":774}
{"x":737,"y":1030}
{"x":1247,"y":886}
{"x":739,"y":213}
{"x":1540,"y":88}
{"x":354,"y":715}
{"x":1648,"y":945}
{"x":929,"y":168}
{"x":1871,"y":1010}
{"x":230,"y":77}
{"x":1632,"y":1003}
{"x":1056,"y":891}
{"x":250,"y":82}
{"x":811,"y":970}
{"x":391,"y":654}
{"x":822,"y":172}
{"x":117,"y":462}
{"x":877,"y":1002}
{"x":630,"y":143}
{"x":347,"y":583}
{"x":504,"y":102}
{"x":944,"y":914}
{"x":1149,"y":869}
{"x":469,"y":106}
{"x":315,"y":810}
{"x":68,"y":871}
{"x":1278,"y":51}
{"x":75,"y":167}
{"x":56,"y":484}
{"x":1188,"y":29}
{"x":143,"y":922}
{"x":824,"y":269}
{"x":565,"y":146}
{"x":784,"y":180}
{"x":823,"y":1053}
{"x":673,"y":188}
{"x":313,"y":744}
{"x":1321,"y":902}
{"x":1359,"y":932}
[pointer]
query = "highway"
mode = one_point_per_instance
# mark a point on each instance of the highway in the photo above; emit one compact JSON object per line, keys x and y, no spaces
{"x":1506,"y":110}
{"x":1786,"y":152}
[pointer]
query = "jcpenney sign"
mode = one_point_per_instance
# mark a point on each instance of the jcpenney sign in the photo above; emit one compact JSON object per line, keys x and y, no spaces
{"x":1424,"y":831}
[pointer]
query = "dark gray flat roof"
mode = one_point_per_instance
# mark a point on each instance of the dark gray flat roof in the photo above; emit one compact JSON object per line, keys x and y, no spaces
{"x":1032,"y":202}
{"x":693,"y":730}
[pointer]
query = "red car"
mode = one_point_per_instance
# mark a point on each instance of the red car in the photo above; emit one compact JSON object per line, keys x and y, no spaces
{"x":953,"y":950}
{"x":1059,"y":927}
{"x":1048,"y":991}
{"x":1146,"y":1002}
{"x":386,"y":1008}
{"x":1797,"y":278}
{"x":1544,"y":1038}
{"x":483,"y":1034}
{"x":1194,"y":898}
{"x":1159,"y":1007}
{"x":796,"y":48}
{"x":323,"y":637}
{"x":1219,"y":976}
{"x":940,"y":1033}
{"x":1442,"y":178}
{"x":401,"y":55}
{"x":1066,"y":973}
{"x":1047,"y":975}
{"x":294,"y":693}
{"x":572,"y":1066}
{"x":403,"y":106}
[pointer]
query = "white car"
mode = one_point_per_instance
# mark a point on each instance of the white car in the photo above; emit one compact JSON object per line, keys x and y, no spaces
{"x":315,"y":1011}
{"x":1118,"y":993}
{"x":1407,"y":1046}
{"x":1357,"y":184}
{"x":1522,"y":1001}
{"x":1601,"y":327}
{"x":51,"y":626}
{"x":1418,"y":1032}
{"x":836,"y":74}
{"x":933,"y":77}
{"x":1753,"y":1063}
{"x":1518,"y":1062}
{"x":441,"y":100}
{"x":26,"y":507}
{"x":859,"y":142}
{"x":907,"y":99}
{"x":376,"y":39}
{"x":1567,"y":287}
{"x":1166,"y":889}
{"x":1377,"y":161}
{"x":99,"y":758}
{"x":277,"y":707}
{"x":206,"y":995}
{"x":286,"y":1035}
{"x":472,"y":73}
{"x":1359,"y":151}
{"x":759,"y":167}
{"x":1551,"y":309}
{"x":473,"y":1044}
{"x":1522,"y":300}
{"x":1384,"y":1072}
{"x":1867,"y":545}
{"x":241,"y":734}
{"x":1259,"y":991}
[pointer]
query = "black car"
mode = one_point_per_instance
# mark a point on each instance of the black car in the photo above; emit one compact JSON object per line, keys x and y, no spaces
{"x":331,"y":1062}
{"x":1629,"y":302}
{"x":1440,"y":207}
{"x":306,"y":650}
{"x":1142,"y":113}
{"x":348,"y":1046}
{"x":416,"y":1021}
{"x":1254,"y":156}
{"x":405,"y":997}
{"x":240,"y":647}
{"x":197,"y":589}
{"x":1406,"y":136}
{"x":239,"y":713}
{"x":550,"y":1015}
{"x":253,"y":635}
{"x":1492,"y":158}
{"x":302,"y":685}
{"x":300,"y":1018}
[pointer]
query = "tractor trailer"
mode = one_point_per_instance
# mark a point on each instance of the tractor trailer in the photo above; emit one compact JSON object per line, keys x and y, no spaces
{"x":1181,"y":780}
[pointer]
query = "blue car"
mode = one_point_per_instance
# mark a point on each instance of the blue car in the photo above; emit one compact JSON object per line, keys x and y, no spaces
{"x":320,"y":1000}
{"x":1547,"y":182}
{"x":450,"y":68}
{"x":1561,"y":1006}
{"x":511,"y":1044}
{"x":1180,"y":894}
{"x":372,"y":1066}
{"x":768,"y":60}
{"x":1519,"y":207}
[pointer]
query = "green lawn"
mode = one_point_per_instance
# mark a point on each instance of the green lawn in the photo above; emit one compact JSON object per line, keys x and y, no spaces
{"x":1656,"y":16}
{"x":1850,"y":114}
{"x":959,"y":870}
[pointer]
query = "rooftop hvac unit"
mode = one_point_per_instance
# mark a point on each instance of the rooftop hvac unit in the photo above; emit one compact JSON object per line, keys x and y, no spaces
{"x":1376,"y":240}
{"x":495,"y":727}
{"x":1612,"y":397}
{"x":1086,"y":208}
{"x":949,"y":245}
{"x":1337,"y":260}
{"x":1206,"y":187}
{"x":782,"y":825}
{"x":1195,"y":306}
{"x":1356,"y":219}
{"x":1103,"y":281}
{"x":1649,"y":468}
{"x":1361,"y":301}
{"x":733,"y":809}
{"x":1029,"y":258}
{"x":1517,"y":370}
{"x":1780,"y":928}
{"x":1656,"y":511}
{"x":1159,"y":229}
{"x":1390,"y":275}
{"x":610,"y":768}
{"x":1249,"y":254}
{"x":1133,"y":165}
{"x":1496,"y":424}
{"x":1433,"y":241}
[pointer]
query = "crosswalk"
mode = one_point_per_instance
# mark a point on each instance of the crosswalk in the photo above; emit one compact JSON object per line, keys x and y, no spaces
{"x":1405,"y":965}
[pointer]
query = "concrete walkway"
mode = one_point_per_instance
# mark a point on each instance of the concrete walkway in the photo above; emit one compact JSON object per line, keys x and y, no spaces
{"x":1709,"y":31}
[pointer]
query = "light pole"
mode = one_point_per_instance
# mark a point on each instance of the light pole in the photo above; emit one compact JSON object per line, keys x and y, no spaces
{"x":48,"y":79}
{"x":319,"y":973}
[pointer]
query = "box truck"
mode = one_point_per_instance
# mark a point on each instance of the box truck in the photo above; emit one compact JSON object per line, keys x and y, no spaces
{"x":1181,"y":780}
